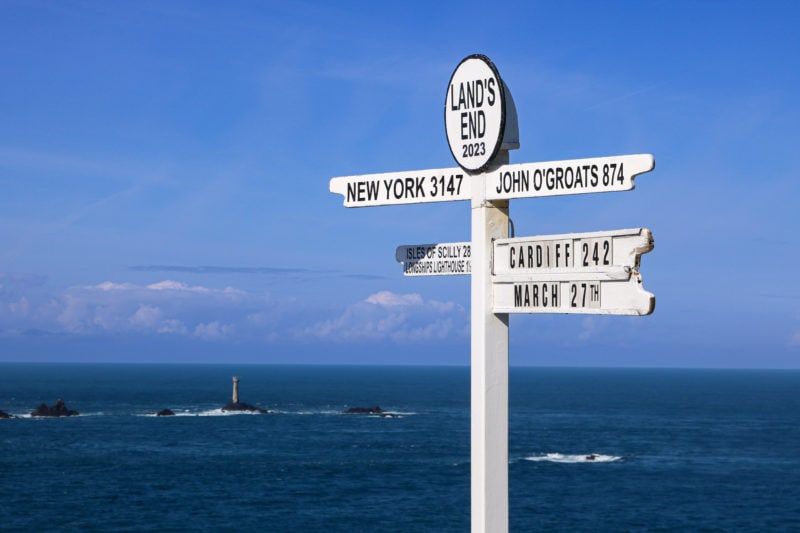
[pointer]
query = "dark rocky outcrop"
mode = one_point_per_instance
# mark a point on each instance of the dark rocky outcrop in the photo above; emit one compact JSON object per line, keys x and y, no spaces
{"x":3,"y":414}
{"x":165,"y":412}
{"x":370,"y":411}
{"x":241,"y":406}
{"x":59,"y":409}
{"x":365,"y":411}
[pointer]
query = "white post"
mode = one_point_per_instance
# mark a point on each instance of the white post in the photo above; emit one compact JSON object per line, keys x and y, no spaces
{"x":489,"y":368}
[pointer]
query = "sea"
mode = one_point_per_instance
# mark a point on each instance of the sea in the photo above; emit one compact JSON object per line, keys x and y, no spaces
{"x":589,"y":449}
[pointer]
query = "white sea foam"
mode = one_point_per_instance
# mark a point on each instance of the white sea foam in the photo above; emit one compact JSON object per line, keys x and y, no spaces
{"x":210,"y":412}
{"x":220,"y":412}
{"x":574,"y":458}
{"x":30,"y":416}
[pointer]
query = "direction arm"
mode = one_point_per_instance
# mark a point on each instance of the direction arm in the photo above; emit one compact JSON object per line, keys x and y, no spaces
{"x":410,"y":187}
{"x":573,"y":176}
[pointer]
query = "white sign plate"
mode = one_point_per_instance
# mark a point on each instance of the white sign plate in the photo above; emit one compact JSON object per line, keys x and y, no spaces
{"x":441,"y":259}
{"x":594,"y":255}
{"x":524,"y":180}
{"x":412,"y":187}
{"x":596,"y":297}
{"x":574,"y":176}
{"x":475,"y":112}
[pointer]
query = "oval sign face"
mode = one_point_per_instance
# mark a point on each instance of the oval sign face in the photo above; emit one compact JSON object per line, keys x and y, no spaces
{"x":475,"y":113}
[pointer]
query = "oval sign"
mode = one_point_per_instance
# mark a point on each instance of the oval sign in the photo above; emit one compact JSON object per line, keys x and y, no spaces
{"x":475,"y":113}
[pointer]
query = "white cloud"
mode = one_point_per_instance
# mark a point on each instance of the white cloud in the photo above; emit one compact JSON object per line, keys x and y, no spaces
{"x":390,"y":299}
{"x":175,"y":308}
{"x":147,"y":316}
{"x":213,"y":331}
{"x":109,"y":286}
{"x":389,"y":316}
{"x":172,"y":326}
{"x":169,"y":285}
{"x":20,"y":307}
{"x":167,"y":307}
{"x":794,"y":339}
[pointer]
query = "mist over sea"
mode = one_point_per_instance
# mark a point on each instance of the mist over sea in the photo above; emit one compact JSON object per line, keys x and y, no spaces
{"x":590,"y":449}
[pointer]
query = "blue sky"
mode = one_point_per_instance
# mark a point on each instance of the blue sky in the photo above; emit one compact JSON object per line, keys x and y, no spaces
{"x":164,"y":170}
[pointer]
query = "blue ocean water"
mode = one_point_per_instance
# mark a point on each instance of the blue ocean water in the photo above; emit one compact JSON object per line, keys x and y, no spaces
{"x":674,"y":449}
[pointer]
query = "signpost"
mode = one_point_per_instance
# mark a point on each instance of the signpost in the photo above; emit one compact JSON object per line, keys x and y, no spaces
{"x":413,"y":187}
{"x":595,"y":255}
{"x":479,"y":114}
{"x":442,"y":259}
{"x":504,"y":182}
{"x":588,"y":273}
{"x":576,"y":176}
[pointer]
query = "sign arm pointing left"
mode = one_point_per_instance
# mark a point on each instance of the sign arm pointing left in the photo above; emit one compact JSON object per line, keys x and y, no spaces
{"x":409,"y":187}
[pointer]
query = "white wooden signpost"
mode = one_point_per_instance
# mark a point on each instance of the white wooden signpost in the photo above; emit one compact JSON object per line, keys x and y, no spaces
{"x":441,"y":259}
{"x":590,"y":273}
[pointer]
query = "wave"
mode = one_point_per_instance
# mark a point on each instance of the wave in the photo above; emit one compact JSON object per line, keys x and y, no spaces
{"x":209,"y":412}
{"x":574,"y":458}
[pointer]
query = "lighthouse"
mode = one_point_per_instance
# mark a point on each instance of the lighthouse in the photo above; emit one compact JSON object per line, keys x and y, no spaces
{"x":235,"y":405}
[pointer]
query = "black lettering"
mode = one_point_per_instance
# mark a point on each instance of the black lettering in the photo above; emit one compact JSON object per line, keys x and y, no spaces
{"x":372,"y":190}
{"x":578,"y":178}
{"x":537,"y":179}
{"x":420,"y":192}
{"x":398,"y":191}
{"x":471,"y":95}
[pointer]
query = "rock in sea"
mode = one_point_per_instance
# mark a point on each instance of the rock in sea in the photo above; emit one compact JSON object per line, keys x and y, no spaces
{"x":370,"y":411}
{"x":59,"y":409}
{"x":241,"y":406}
{"x":165,"y":412}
